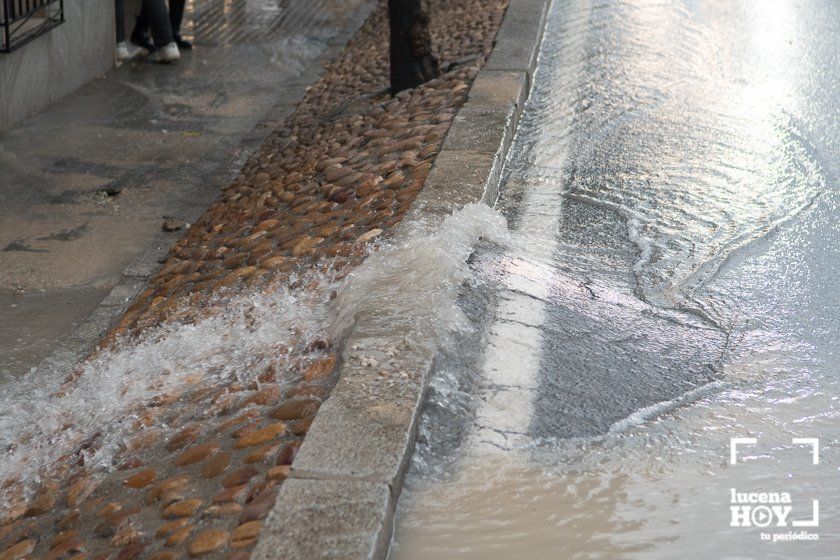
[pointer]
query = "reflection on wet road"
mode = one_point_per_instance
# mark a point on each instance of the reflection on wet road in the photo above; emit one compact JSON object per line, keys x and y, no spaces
{"x":672,"y":194}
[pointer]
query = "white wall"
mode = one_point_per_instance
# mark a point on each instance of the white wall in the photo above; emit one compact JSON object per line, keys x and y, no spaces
{"x":58,"y":62}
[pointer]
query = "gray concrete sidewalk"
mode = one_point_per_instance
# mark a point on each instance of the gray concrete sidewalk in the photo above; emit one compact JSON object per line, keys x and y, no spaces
{"x":85,"y":185}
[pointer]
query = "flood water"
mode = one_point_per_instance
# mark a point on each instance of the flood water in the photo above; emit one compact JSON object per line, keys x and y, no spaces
{"x":671,"y":284}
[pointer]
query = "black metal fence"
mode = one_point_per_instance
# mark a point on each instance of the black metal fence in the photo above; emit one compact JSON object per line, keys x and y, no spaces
{"x":23,"y":20}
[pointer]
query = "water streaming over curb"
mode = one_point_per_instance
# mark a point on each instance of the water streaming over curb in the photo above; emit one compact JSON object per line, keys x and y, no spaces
{"x":240,"y":338}
{"x":420,"y":277}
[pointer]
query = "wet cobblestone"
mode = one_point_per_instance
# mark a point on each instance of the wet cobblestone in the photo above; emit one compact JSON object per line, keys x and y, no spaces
{"x":201,"y":470}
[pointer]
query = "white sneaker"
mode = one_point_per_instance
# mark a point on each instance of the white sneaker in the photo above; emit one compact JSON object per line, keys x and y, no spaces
{"x":167,"y":53}
{"x":122,"y":52}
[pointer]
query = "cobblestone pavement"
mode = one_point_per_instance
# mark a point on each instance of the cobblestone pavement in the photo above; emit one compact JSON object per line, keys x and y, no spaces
{"x":347,"y":163}
{"x":195,"y":467}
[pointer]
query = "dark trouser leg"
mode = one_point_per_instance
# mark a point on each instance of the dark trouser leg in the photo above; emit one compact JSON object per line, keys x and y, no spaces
{"x":158,"y":17}
{"x":176,"y":15}
{"x":140,"y":35}
{"x":119,"y":8}
{"x":141,"y":27}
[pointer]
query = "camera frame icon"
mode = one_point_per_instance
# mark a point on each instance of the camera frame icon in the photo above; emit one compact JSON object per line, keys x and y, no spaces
{"x":761,"y":515}
{"x":814,"y":443}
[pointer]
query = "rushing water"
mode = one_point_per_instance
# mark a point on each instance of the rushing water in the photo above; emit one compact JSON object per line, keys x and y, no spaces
{"x":671,"y":284}
{"x":240,"y":336}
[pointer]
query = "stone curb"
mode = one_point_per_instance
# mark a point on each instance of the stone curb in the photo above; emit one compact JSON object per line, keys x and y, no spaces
{"x":85,"y":338}
{"x":340,"y":497}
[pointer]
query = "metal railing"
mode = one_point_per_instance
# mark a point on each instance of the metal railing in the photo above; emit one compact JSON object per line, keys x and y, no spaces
{"x":23,"y":20}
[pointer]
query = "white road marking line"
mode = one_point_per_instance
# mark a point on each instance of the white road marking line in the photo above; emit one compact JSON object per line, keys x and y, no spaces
{"x":514,"y":348}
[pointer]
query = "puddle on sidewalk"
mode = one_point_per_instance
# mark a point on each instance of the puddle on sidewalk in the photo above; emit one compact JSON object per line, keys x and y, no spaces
{"x":33,"y":323}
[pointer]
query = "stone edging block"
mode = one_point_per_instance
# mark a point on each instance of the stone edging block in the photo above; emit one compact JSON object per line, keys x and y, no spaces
{"x":345,"y":514}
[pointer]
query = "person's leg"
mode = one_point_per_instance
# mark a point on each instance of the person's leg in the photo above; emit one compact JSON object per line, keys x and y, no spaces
{"x":142,"y":23}
{"x":119,"y":9}
{"x":176,"y":16}
{"x":122,"y":49}
{"x":140,"y":35}
{"x":167,"y":49}
{"x":159,"y":20}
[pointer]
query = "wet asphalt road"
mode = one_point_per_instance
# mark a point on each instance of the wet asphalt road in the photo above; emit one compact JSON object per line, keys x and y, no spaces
{"x":673,"y":195}
{"x":666,"y":143}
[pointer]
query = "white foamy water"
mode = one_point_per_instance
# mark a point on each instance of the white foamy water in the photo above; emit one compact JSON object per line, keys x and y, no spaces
{"x":420,"y":276}
{"x":245,"y":335}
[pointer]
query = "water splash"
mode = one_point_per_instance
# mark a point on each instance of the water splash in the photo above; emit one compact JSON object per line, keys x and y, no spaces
{"x":39,"y":424}
{"x":43,"y":421}
{"x":420,"y":276}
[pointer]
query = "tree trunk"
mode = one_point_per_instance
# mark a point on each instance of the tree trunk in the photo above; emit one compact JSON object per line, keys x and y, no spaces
{"x":412,"y":61}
